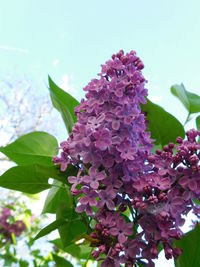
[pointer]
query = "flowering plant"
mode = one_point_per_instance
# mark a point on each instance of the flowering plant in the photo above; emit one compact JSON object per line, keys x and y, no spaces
{"x":126,"y":199}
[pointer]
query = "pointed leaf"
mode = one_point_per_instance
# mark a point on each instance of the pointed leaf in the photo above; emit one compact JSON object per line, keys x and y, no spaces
{"x":30,"y":179}
{"x":35,"y":147}
{"x":64,"y":103}
{"x":163,"y":126}
{"x":50,"y":228}
{"x":61,"y":262}
{"x":190,"y":243}
{"x":80,"y":251}
{"x":57,"y":195}
{"x":198,"y":123}
{"x":190,"y":101}
{"x":73,"y":249}
{"x":74,"y":229}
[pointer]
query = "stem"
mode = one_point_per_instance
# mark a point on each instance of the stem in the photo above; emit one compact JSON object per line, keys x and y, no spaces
{"x":88,"y":258}
{"x":187,"y":119}
{"x":131,"y":209}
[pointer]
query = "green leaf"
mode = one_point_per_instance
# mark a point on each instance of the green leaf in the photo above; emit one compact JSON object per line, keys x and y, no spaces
{"x":190,"y":243}
{"x":49,"y":228}
{"x":81,"y":251}
{"x":73,"y":249}
{"x":35,"y":147}
{"x":23,"y":263}
{"x":13,"y":239}
{"x":85,"y":252}
{"x":163,"y":126}
{"x":64,"y":103}
{"x":142,"y":264}
{"x":57,"y":195}
{"x":196,"y":201}
{"x":9,"y":259}
{"x":29,"y":179}
{"x":198,"y":122}
{"x":63,"y":176}
{"x":74,"y":229}
{"x":60,"y":194}
{"x":190,"y":101}
{"x":61,"y":262}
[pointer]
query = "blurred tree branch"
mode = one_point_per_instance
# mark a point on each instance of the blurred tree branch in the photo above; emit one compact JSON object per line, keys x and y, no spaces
{"x":24,"y":107}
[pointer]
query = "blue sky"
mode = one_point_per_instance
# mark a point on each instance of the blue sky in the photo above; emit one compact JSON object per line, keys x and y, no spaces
{"x":70,"y":39}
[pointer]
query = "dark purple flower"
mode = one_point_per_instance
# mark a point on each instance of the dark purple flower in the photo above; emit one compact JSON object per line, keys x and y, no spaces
{"x":128,"y":152}
{"x":159,"y":182}
{"x":122,"y":230}
{"x":106,"y":198}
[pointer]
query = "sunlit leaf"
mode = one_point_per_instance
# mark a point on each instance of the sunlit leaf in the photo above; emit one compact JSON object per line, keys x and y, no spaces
{"x":30,"y":179}
{"x":190,"y":101}
{"x":74,"y":229}
{"x":57,"y":195}
{"x":198,"y":122}
{"x":35,"y":147}
{"x":49,"y":228}
{"x":163,"y":126}
{"x":64,"y":103}
{"x":80,"y":251}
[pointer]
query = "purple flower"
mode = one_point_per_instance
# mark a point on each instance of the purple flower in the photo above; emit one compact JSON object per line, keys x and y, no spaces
{"x":114,"y":119}
{"x":82,"y":134}
{"x":103,"y":139}
{"x":94,"y":177}
{"x":109,"y":261}
{"x":113,"y":181}
{"x":89,"y":198}
{"x":75,"y":180}
{"x":112,"y":147}
{"x":87,"y":208}
{"x":63,"y":160}
{"x":94,"y":122}
{"x":160,"y":182}
{"x":128,"y":152}
{"x":106,"y":198}
{"x":5,"y":213}
{"x":175,"y":203}
{"x":132,"y":247}
{"x":122,"y":229}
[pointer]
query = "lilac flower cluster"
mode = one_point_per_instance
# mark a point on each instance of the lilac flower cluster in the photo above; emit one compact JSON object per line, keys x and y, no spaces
{"x":164,"y":194}
{"x":7,"y":227}
{"x":118,"y":174}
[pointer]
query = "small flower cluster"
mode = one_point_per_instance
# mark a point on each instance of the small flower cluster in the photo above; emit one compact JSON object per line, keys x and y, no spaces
{"x":7,"y":226}
{"x":164,"y":194}
{"x":118,"y":174}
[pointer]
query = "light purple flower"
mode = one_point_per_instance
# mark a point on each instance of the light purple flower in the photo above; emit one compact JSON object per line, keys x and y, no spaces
{"x":75,"y":180}
{"x":94,"y":122}
{"x":94,"y":177}
{"x":103,"y":139}
{"x":89,"y":198}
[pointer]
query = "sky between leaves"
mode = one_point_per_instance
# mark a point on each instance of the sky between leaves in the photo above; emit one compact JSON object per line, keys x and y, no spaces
{"x":70,"y":39}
